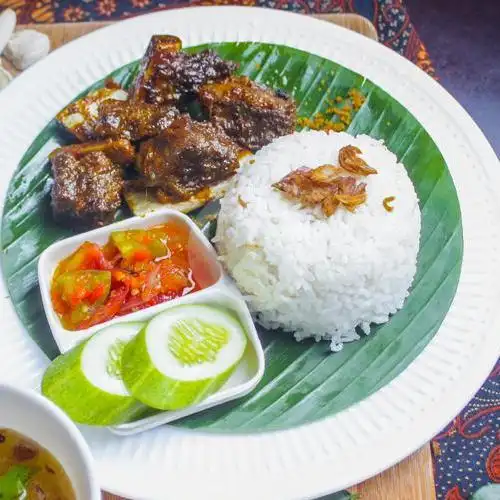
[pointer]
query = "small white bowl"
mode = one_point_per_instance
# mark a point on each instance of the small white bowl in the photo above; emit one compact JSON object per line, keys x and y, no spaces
{"x":35,"y":417}
{"x":202,"y":258}
{"x":218,"y":289}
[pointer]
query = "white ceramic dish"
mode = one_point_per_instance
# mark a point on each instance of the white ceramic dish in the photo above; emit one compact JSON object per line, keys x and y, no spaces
{"x":37,"y":418}
{"x":217,"y":290}
{"x":341,"y":450}
{"x":202,"y":255}
{"x":247,"y":375}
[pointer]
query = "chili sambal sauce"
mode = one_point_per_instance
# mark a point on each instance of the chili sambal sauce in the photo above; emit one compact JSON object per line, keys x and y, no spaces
{"x":136,"y":269}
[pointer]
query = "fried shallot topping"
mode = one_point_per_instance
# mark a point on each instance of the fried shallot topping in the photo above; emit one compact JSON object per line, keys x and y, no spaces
{"x":350,"y":161}
{"x":323,"y":186}
{"x":387,"y":202}
{"x":328,"y":186}
{"x":242,"y":202}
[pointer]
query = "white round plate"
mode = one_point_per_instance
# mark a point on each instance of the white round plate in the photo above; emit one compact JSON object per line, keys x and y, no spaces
{"x":328,"y":455}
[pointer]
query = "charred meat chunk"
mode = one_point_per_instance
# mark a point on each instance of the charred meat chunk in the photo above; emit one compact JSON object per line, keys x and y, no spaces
{"x":80,"y":117}
{"x":248,"y":112}
{"x":119,"y":151}
{"x":168,"y":76}
{"x":108,"y":114}
{"x":132,"y":120}
{"x":186,"y":158}
{"x":149,"y":86}
{"x":87,"y":190}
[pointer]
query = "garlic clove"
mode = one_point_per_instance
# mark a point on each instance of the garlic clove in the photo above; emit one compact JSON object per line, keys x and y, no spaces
{"x":7,"y":26}
{"x":26,"y":47}
{"x":5,"y":77}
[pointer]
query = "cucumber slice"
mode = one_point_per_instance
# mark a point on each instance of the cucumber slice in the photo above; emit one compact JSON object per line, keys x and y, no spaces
{"x":182,"y":356}
{"x":86,"y":382}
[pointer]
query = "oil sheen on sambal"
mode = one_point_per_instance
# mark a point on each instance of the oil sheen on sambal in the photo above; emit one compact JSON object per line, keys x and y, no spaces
{"x":135,"y":269}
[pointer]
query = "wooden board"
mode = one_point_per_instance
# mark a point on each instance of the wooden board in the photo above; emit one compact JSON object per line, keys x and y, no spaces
{"x":412,"y":479}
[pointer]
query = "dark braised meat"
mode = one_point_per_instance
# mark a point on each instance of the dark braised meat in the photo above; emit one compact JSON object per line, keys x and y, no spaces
{"x":132,"y":120}
{"x":80,"y":117}
{"x":168,"y":76}
{"x":186,"y":158}
{"x":249,"y":113}
{"x":87,"y":189}
{"x":119,"y":151}
{"x":107,"y":113}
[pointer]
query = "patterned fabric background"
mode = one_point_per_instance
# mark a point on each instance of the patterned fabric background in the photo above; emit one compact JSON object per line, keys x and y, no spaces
{"x":389,"y":16}
{"x":467,"y":452}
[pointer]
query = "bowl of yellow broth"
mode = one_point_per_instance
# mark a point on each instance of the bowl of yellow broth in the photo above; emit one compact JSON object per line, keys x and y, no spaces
{"x":42,"y":453}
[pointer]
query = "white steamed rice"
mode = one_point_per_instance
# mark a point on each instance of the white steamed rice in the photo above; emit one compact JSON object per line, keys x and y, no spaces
{"x":313,"y":276}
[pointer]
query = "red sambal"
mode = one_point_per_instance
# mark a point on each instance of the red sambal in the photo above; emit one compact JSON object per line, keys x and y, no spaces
{"x":134,"y":270}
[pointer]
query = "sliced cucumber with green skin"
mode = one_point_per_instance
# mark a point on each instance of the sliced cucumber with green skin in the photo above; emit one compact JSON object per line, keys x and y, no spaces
{"x":182,"y":356}
{"x":86,"y":382}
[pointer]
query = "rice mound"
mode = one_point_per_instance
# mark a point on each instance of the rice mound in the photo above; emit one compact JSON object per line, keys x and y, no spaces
{"x":314,"y":276}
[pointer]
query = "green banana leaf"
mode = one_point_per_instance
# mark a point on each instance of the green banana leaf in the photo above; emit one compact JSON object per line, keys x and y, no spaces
{"x":303,"y":382}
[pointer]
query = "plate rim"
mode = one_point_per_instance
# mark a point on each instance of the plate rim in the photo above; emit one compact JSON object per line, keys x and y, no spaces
{"x":316,"y":485}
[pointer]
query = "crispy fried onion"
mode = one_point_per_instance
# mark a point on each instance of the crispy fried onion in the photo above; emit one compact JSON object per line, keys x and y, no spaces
{"x":351,"y":162}
{"x":323,"y":186}
{"x":328,"y":186}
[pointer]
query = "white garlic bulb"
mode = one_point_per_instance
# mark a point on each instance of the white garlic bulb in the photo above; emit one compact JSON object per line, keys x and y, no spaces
{"x":5,"y":77}
{"x":7,"y":26}
{"x":26,"y":47}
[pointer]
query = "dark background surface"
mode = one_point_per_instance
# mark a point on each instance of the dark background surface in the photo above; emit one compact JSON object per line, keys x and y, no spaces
{"x":463,"y":39}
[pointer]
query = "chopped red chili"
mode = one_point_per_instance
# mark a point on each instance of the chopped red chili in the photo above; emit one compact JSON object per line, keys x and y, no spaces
{"x":135,"y":269}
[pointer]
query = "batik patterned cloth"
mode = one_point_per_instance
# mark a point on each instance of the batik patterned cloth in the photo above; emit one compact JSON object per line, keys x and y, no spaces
{"x":389,"y":16}
{"x":467,"y":453}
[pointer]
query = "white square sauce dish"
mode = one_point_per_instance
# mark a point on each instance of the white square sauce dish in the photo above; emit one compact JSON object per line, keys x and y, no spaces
{"x":155,"y":364}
